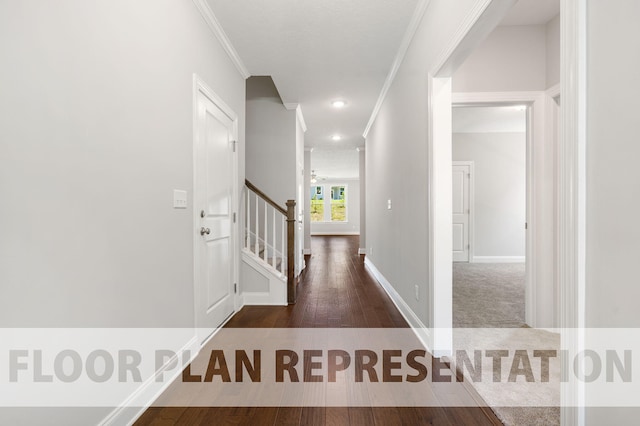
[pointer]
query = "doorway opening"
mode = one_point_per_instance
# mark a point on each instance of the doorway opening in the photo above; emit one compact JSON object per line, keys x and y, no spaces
{"x":490,"y":189}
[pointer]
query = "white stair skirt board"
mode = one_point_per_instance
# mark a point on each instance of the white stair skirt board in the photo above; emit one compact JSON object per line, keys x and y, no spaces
{"x":498,"y":259}
{"x":421,"y":331}
{"x":274,"y":283}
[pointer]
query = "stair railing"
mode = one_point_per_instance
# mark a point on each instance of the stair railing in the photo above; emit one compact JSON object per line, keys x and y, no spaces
{"x":270,"y":234}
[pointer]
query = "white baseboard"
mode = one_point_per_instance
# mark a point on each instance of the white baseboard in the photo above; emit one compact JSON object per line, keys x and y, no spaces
{"x":138,"y":402}
{"x":362,"y":250}
{"x":306,"y":251}
{"x":420,"y":330}
{"x":319,"y":234}
{"x":498,"y":259}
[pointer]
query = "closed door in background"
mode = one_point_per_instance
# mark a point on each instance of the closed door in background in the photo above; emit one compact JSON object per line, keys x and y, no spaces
{"x":461,"y":211}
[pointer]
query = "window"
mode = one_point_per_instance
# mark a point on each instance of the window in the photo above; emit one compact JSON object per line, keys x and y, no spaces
{"x":317,"y":204}
{"x":328,"y":209}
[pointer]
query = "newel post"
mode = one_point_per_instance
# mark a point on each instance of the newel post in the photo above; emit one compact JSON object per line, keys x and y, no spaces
{"x":291,"y":243}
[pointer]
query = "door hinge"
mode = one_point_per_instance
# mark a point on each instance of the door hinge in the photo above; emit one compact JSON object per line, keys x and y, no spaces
{"x":235,"y":287}
{"x":234,"y":217}
{"x":233,"y":144}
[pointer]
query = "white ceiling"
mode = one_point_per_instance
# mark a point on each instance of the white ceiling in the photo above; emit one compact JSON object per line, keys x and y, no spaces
{"x":335,"y":164}
{"x":318,"y":51}
{"x":489,"y":120}
{"x":532,"y":12}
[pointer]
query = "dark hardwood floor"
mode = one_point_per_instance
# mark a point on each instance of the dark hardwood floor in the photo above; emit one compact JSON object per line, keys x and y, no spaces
{"x":335,"y":291}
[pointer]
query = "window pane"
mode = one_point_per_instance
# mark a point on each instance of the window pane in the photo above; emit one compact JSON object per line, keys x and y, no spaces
{"x":338,"y":204}
{"x":317,"y":204}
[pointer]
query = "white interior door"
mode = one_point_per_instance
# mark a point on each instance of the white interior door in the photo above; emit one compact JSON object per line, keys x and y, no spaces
{"x":461,"y":211}
{"x":213,"y":204}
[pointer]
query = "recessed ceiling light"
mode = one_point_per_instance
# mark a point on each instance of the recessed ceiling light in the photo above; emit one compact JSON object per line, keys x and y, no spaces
{"x":338,"y":104}
{"x":336,"y":137}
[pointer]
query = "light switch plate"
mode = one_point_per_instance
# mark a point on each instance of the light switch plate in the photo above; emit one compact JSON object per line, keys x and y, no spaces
{"x":179,"y":199}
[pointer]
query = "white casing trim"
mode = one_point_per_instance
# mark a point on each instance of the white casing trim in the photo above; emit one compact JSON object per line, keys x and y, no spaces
{"x":572,"y":198}
{"x":307,"y":251}
{"x":217,"y":30}
{"x":421,"y":331}
{"x":402,"y":51}
{"x":362,"y":250}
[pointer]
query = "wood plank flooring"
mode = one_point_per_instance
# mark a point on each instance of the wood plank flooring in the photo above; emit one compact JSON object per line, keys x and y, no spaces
{"x":335,"y":291}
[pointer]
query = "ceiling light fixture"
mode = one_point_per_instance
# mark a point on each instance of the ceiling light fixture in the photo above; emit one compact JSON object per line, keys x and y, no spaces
{"x":313,"y":176}
{"x":338,"y":104}
{"x":336,"y":137}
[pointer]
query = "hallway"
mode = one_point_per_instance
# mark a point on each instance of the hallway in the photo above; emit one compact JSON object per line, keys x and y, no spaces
{"x":335,"y":291}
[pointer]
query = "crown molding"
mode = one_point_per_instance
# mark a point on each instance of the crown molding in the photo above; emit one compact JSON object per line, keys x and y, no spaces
{"x":402,"y":51}
{"x":291,"y":106}
{"x":217,"y":30}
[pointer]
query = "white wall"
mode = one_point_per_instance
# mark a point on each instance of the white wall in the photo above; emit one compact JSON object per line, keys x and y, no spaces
{"x":363,"y":200}
{"x":96,"y":130}
{"x":307,"y":196}
{"x":553,"y":52}
{"x":613,"y":192}
{"x":352,"y":225}
{"x":271,"y":159}
{"x":499,"y":209}
{"x":396,"y":162}
{"x":512,"y":58}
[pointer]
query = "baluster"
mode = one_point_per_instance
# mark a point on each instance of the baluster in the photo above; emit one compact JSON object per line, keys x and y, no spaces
{"x":266,"y":234}
{"x":247,"y":241}
{"x":273,"y":242}
{"x":257,"y":227}
{"x":284,"y":250}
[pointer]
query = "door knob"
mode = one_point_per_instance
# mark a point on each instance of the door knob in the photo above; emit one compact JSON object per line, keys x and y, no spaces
{"x":204,"y":231}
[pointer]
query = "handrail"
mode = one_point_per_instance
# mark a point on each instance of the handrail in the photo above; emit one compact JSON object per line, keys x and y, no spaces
{"x":265,"y":197}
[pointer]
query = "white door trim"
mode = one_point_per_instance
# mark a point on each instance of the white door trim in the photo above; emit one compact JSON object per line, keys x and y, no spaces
{"x":472,"y":209}
{"x":571,"y":244}
{"x":200,"y":86}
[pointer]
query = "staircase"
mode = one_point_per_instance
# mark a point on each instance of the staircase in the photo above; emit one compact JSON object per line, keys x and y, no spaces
{"x":268,"y":249}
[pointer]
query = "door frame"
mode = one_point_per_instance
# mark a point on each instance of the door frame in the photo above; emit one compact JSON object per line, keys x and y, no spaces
{"x":470,"y":229}
{"x":200,"y":86}
{"x":570,"y":238}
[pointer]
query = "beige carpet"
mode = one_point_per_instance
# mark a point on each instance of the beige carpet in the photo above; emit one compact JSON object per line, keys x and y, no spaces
{"x":491,"y":297}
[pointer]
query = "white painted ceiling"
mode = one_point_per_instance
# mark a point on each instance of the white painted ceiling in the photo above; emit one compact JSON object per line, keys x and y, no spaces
{"x":489,"y":120}
{"x":318,"y":51}
{"x":532,"y":12}
{"x":335,"y":164}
